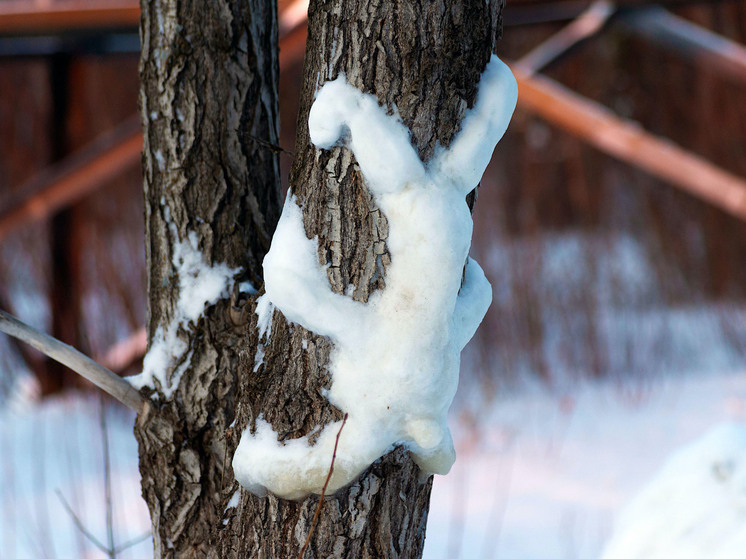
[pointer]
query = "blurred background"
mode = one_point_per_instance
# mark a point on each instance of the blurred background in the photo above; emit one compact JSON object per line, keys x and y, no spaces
{"x":611,"y":223}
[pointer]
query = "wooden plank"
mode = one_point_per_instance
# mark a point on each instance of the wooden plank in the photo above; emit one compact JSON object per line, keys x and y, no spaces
{"x":292,"y":47}
{"x":687,"y":39}
{"x":292,"y":15}
{"x":627,"y":3}
{"x":587,"y":24}
{"x":76,"y":176}
{"x":292,"y":30}
{"x":125,"y":352}
{"x":80,"y":174}
{"x":532,"y":12}
{"x":618,"y":137}
{"x":629,"y":142}
{"x":32,"y":17}
{"x":19,"y":17}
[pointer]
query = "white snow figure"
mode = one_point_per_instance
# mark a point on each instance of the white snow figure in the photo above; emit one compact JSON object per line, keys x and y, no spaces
{"x":395,"y":361}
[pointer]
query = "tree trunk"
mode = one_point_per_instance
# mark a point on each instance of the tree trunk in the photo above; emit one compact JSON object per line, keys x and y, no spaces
{"x":209,"y":106}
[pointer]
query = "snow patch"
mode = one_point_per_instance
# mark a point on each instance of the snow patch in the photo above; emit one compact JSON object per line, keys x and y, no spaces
{"x":695,"y":507}
{"x":264,"y":311}
{"x":259,"y":357}
{"x":160,"y":160}
{"x":233,"y":503}
{"x":395,"y":360}
{"x":246,"y":287}
{"x":199,"y":285}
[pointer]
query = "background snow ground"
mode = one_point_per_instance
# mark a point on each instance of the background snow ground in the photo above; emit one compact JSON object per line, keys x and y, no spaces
{"x":540,"y":473}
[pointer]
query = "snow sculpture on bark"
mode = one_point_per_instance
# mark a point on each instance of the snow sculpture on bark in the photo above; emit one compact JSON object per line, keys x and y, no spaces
{"x":395,"y":361}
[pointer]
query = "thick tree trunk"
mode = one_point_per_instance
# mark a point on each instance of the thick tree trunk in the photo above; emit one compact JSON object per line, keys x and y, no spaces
{"x":209,"y":105}
{"x":208,"y":99}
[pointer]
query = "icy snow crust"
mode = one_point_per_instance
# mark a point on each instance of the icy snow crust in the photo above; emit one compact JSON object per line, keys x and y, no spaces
{"x":694,"y":508}
{"x":395,"y":360}
{"x":199,"y":285}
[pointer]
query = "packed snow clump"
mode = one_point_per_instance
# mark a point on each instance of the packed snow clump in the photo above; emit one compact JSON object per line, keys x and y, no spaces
{"x":200,"y":285}
{"x":395,"y":360}
{"x":694,"y":508}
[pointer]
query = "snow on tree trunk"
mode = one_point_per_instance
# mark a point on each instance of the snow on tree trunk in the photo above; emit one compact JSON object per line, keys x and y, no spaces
{"x":395,"y":360}
{"x":209,"y":105}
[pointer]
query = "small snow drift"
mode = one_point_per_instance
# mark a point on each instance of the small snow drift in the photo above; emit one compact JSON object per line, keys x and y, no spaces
{"x":200,"y":285}
{"x":395,"y":360}
{"x":694,"y":508}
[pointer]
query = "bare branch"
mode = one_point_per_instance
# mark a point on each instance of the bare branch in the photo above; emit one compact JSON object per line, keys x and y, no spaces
{"x":133,"y":542}
{"x":86,"y":367}
{"x":107,"y":482}
{"x":628,"y":142}
{"x":125,"y":352}
{"x":323,"y":492}
{"x":587,"y":25}
{"x":71,"y":179}
{"x":79,"y":523}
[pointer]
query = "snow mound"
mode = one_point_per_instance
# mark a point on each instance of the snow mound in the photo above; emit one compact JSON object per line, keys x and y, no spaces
{"x":694,"y":508}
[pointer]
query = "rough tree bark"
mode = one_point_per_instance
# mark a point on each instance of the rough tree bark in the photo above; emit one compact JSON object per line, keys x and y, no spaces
{"x":209,"y":106}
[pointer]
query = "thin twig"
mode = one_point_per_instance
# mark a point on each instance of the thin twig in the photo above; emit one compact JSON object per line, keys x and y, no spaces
{"x":132,"y":542}
{"x":42,"y":505}
{"x":75,"y":493}
{"x":499,"y":503}
{"x":107,"y":483}
{"x":323,"y":492}
{"x":269,"y":145}
{"x":86,"y":367}
{"x":79,"y":524}
{"x":11,"y":513}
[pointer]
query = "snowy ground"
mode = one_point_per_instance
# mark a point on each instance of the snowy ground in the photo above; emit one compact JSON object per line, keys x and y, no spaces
{"x":547,"y":473}
{"x":58,"y":446}
{"x":539,"y":474}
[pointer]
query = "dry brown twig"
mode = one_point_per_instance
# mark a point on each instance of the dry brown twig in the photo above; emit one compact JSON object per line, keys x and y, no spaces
{"x":323,"y":492}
